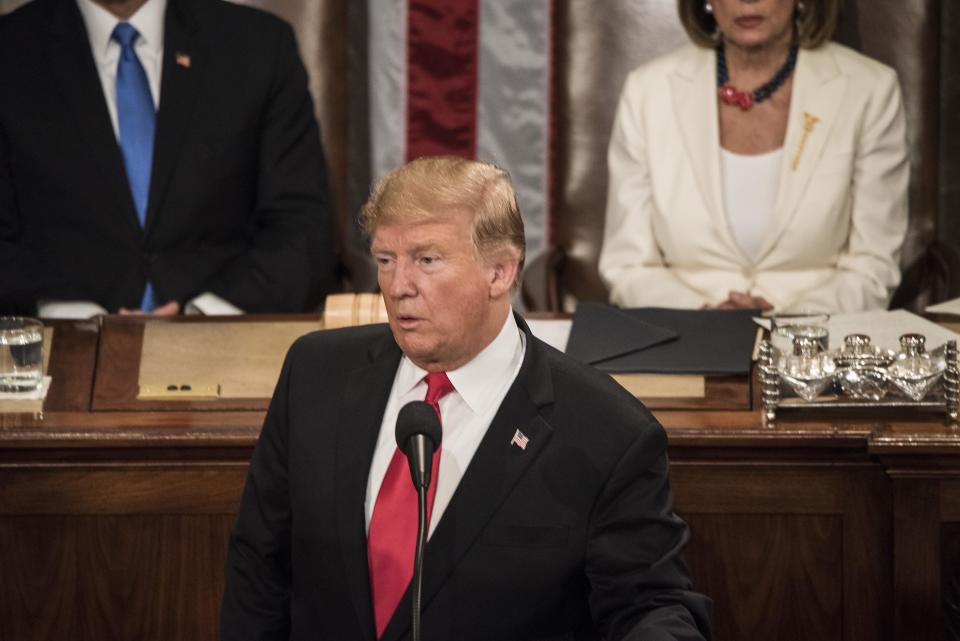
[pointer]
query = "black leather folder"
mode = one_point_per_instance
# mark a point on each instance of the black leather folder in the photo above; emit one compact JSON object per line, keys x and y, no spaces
{"x":663,"y":341}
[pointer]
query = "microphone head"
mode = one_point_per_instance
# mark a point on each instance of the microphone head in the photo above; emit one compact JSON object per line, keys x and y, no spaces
{"x":418,"y":417}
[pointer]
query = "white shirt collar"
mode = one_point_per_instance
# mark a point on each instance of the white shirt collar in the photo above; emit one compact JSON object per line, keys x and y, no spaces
{"x":100,"y":23}
{"x":480,"y":379}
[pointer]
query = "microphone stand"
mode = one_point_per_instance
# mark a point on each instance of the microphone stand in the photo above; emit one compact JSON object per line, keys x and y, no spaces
{"x":417,"y":583}
{"x":418,"y":436}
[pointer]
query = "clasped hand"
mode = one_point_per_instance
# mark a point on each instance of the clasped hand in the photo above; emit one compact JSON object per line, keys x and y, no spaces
{"x":170,"y":309}
{"x":742,"y":300}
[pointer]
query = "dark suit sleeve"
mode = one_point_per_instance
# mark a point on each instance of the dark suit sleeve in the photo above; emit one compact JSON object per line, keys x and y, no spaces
{"x":291,"y":261}
{"x":639,"y":585}
{"x":256,"y":600}
{"x":20,"y":269}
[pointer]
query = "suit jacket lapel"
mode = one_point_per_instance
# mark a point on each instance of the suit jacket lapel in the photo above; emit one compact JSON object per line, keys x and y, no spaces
{"x":818,"y":90}
{"x":184,"y":63}
{"x":492,"y":474}
{"x":367,"y":391}
{"x":72,"y":63}
{"x":694,"y":94}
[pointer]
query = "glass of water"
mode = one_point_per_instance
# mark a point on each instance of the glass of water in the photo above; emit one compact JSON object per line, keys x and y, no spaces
{"x":786,"y":326}
{"x":21,"y":353}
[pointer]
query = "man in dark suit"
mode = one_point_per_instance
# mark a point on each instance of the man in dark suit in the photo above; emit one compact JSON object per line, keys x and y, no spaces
{"x":552,"y":512}
{"x":158,"y":152}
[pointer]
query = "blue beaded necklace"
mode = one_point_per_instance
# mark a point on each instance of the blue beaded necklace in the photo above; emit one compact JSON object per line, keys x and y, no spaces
{"x":746,"y":99}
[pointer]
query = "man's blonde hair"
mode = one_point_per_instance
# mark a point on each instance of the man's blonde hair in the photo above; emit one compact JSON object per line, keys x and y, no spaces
{"x":428,"y":189}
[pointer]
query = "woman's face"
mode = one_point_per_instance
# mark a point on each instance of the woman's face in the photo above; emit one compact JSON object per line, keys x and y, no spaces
{"x":754,"y":23}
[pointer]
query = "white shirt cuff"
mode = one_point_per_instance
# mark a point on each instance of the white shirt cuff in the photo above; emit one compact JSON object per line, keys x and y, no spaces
{"x":208,"y":304}
{"x":70,"y":309}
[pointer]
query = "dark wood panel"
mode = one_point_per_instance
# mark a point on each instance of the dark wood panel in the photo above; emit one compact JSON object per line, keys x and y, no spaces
{"x":867,"y":550}
{"x":950,"y":501}
{"x":770,"y":576}
{"x":120,"y":491}
{"x":39,"y":578}
{"x":950,"y":568}
{"x":89,"y":434}
{"x":72,"y":360}
{"x":916,"y":565}
{"x":118,"y":370}
{"x":705,"y":489}
{"x":104,"y":578}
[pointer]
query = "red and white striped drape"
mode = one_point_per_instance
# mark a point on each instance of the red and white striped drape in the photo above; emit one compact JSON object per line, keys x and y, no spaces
{"x":469,"y":78}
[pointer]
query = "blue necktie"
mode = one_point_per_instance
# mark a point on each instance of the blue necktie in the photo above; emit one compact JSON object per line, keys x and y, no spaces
{"x":137,"y":119}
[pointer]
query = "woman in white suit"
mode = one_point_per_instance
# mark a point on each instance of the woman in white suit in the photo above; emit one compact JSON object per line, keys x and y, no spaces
{"x":761,"y":166}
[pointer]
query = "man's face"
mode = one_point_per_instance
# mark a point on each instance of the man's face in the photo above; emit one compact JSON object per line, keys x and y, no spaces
{"x":122,"y":9}
{"x":439,"y":294}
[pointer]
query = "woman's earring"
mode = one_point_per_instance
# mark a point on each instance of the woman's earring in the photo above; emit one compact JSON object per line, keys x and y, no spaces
{"x":709,"y":7}
{"x":801,"y":7}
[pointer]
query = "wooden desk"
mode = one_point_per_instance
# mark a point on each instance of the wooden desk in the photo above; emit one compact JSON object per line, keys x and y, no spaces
{"x":114,"y":524}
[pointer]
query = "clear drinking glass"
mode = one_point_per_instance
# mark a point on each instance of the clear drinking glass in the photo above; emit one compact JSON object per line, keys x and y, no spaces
{"x":21,"y":353}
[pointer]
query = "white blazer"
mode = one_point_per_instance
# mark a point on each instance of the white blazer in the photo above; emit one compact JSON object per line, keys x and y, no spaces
{"x":841,"y":212}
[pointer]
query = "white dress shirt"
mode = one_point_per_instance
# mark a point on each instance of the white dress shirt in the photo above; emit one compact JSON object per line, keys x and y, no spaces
{"x":479,"y":388}
{"x":148,"y":21}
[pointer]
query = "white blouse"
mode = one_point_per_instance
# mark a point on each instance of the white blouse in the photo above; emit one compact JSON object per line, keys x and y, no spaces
{"x":750,"y":186}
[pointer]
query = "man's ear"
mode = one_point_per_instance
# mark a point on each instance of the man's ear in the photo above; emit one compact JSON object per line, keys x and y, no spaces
{"x":503,"y":266}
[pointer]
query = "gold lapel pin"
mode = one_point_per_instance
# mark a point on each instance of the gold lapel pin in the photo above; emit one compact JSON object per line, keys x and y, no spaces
{"x":183,"y":60}
{"x":809,"y":121}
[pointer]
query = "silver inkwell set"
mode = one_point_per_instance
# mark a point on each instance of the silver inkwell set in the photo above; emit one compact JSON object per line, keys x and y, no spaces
{"x":803,"y":373}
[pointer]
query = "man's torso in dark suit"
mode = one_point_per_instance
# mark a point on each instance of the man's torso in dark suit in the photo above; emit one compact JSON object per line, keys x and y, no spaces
{"x":570,"y":538}
{"x":237,"y":201}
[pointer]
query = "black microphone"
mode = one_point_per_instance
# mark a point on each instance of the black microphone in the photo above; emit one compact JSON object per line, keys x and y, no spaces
{"x":418,"y":436}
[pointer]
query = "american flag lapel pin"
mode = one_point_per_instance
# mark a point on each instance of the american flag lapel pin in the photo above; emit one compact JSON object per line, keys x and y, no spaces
{"x":520,"y":440}
{"x":182,"y":59}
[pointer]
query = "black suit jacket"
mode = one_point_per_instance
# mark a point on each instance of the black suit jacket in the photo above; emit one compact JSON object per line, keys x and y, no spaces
{"x":571,"y":538}
{"x":237,"y":200}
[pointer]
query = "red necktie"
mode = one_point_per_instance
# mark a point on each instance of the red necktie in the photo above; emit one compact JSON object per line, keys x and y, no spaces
{"x":393,"y":526}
